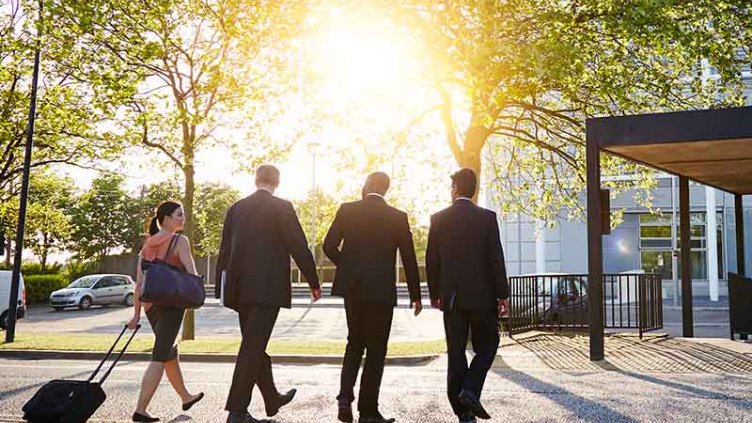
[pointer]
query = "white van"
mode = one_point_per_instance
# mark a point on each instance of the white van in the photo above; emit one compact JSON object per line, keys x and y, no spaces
{"x":5,"y":276}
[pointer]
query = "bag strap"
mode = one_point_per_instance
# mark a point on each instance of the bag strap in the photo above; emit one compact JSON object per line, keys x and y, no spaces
{"x":119,"y":356}
{"x":171,"y":248}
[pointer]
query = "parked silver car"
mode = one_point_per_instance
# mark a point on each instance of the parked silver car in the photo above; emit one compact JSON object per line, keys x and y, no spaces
{"x":94,"y":290}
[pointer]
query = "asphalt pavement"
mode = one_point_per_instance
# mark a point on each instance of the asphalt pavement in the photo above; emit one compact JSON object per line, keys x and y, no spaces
{"x":302,"y":322}
{"x":416,"y":394}
{"x":323,"y":321}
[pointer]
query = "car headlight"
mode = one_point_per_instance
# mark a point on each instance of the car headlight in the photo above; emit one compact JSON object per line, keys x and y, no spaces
{"x":71,"y":294}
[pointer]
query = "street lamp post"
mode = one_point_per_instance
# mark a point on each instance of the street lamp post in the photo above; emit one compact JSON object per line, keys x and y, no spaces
{"x":313,"y":148}
{"x":10,"y":334}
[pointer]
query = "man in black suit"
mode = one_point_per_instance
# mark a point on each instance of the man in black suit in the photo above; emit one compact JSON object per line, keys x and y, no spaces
{"x":260,"y":234}
{"x":467,"y":280}
{"x":370,"y":232}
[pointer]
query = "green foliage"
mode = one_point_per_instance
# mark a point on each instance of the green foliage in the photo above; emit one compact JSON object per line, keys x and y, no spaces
{"x":527,"y":74}
{"x":39,"y":287}
{"x":75,"y":95}
{"x":212,"y":202}
{"x":143,"y":208}
{"x":75,"y":269}
{"x":201,"y":63}
{"x":326,"y":208}
{"x":101,"y":219}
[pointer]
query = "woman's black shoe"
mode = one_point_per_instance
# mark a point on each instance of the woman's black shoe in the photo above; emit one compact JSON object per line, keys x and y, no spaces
{"x":138,"y":417}
{"x":187,"y":405}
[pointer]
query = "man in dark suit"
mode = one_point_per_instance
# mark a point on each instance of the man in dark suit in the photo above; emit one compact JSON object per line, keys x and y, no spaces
{"x":260,"y":234}
{"x":370,"y":232}
{"x":467,"y":280}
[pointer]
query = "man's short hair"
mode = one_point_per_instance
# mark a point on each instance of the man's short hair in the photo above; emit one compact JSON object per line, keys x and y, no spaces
{"x":465,"y":181}
{"x":267,"y":175}
{"x":377,"y":182}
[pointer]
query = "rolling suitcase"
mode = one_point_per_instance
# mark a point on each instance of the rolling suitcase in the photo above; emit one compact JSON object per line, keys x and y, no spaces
{"x":72,"y":401}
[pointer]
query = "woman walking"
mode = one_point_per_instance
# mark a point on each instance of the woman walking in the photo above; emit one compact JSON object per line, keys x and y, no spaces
{"x":163,"y":244}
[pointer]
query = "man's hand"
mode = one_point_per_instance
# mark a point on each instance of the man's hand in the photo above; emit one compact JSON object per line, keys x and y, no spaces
{"x":315,"y":294}
{"x":504,"y":308}
{"x":418,"y":306}
{"x":436,"y":303}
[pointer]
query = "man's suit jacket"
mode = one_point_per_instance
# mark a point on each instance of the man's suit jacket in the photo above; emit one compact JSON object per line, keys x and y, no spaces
{"x":260,"y":233}
{"x":464,"y":258}
{"x":371,"y":231}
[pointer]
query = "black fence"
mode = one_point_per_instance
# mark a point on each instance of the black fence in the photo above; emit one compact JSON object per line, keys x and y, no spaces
{"x":630,"y":301}
{"x":740,"y":305}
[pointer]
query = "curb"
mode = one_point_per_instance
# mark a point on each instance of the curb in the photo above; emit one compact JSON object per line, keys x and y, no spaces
{"x":412,"y":360}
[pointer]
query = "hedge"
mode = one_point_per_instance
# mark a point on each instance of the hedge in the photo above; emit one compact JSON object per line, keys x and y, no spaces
{"x":39,"y":287}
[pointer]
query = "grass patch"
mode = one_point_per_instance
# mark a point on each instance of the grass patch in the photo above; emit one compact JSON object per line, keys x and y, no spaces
{"x":144,"y":343}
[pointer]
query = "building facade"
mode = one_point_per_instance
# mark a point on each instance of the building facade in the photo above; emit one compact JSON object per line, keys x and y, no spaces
{"x":643,"y":241}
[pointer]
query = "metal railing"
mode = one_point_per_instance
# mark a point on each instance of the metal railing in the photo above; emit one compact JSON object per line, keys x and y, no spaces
{"x":561,"y":301}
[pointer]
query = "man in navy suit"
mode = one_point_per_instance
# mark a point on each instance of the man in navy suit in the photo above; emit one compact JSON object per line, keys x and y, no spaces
{"x":467,"y":280}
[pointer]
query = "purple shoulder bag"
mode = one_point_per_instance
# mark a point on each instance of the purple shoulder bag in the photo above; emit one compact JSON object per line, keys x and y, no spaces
{"x":168,"y":285}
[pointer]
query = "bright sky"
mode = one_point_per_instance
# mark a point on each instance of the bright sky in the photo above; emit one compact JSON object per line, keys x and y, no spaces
{"x":372,"y":79}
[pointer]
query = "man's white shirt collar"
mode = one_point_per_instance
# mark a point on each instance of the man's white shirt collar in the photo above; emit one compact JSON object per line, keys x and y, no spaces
{"x":265,"y":189}
{"x":376,"y":194}
{"x":463,"y":198}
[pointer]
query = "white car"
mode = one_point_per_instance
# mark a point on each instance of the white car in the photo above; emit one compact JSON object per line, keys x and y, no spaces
{"x":94,"y":290}
{"x":5,"y":277}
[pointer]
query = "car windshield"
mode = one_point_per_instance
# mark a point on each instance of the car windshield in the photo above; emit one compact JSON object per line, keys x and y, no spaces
{"x":85,"y":282}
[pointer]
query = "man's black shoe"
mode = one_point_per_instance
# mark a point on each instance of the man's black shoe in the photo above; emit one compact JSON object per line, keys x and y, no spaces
{"x":376,"y":418}
{"x":344,"y":412}
{"x":471,"y":401}
{"x":282,"y":400}
{"x":241,"y":417}
{"x":467,"y":417}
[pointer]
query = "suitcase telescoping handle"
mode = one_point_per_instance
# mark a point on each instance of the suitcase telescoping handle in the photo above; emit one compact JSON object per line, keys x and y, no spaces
{"x":109,"y":353}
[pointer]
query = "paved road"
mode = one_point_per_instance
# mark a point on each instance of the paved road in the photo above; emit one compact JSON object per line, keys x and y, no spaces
{"x":325,"y":321}
{"x":322,"y":322}
{"x":416,"y":394}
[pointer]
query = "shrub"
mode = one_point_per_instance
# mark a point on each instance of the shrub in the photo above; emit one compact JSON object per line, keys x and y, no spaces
{"x":75,"y":269}
{"x":39,"y":287}
{"x":31,"y":268}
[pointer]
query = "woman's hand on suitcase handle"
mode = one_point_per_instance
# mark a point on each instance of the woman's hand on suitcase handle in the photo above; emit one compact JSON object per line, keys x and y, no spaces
{"x":133,"y":323}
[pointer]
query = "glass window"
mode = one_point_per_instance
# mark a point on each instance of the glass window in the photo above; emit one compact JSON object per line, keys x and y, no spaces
{"x":655,"y":231}
{"x":656,"y":244}
{"x":84,"y":282}
{"x":106,"y":283}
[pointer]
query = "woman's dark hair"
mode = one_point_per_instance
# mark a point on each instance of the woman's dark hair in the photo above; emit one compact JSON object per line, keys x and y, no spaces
{"x":165,"y":209}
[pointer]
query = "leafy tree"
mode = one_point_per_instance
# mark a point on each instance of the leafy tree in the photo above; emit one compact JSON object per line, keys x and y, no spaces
{"x":326,"y":208}
{"x":102,"y":219}
{"x":50,"y":202}
{"x":520,"y":77}
{"x":212,"y":202}
{"x":48,"y":231}
{"x":77,"y":95}
{"x":200,"y":61}
{"x":143,"y":208}
{"x":48,"y":216}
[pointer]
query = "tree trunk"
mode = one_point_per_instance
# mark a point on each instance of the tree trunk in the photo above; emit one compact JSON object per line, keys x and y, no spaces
{"x":470,"y":157}
{"x":189,"y":326}
{"x":7,"y":251}
{"x":45,"y":248}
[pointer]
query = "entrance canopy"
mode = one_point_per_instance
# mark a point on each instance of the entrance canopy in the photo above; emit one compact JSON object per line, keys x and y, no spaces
{"x":712,"y":147}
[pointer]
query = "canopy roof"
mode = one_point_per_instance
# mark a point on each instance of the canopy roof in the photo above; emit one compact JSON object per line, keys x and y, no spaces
{"x":712,"y":147}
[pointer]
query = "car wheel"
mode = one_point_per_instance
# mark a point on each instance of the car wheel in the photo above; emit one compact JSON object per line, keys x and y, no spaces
{"x":129,"y":300}
{"x":58,"y":308}
{"x":4,"y":320}
{"x":85,"y":303}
